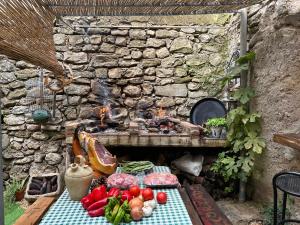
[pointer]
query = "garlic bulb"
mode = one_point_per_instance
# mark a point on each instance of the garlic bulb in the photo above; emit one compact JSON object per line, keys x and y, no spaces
{"x":147,"y":211}
{"x":150,"y":203}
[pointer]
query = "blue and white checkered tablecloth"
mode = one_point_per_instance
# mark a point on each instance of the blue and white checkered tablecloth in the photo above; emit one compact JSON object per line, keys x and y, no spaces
{"x":68,"y":212}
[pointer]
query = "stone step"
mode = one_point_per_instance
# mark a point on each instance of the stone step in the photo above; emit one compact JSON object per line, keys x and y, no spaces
{"x":247,"y":213}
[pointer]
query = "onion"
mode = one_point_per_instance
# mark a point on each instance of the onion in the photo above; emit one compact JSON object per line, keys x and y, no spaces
{"x":136,"y":202}
{"x":136,"y":213}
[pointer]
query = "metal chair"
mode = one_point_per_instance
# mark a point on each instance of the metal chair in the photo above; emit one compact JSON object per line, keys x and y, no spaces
{"x":289,"y":184}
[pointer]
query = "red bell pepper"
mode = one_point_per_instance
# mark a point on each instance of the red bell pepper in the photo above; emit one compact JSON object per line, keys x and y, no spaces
{"x":98,"y":205}
{"x":87,"y":201}
{"x":99,"y":193}
{"x":113,"y":192}
{"x":126,"y":196}
{"x":97,"y":212}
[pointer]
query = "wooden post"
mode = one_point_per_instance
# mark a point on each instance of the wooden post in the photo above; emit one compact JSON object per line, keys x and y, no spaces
{"x":244,"y":79}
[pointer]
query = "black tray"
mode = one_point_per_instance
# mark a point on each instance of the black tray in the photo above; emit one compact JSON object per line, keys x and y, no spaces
{"x":205,"y":109}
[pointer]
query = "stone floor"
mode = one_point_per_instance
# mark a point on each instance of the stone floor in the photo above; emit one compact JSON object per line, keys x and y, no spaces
{"x":247,"y":213}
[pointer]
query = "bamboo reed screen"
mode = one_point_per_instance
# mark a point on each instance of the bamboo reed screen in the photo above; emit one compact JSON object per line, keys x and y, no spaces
{"x":26,"y":33}
{"x":26,"y":25}
{"x":144,"y":7}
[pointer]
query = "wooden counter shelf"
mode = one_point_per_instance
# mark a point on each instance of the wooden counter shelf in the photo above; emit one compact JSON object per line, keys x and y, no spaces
{"x":154,"y":139}
{"x":190,"y":137}
{"x":291,"y":140}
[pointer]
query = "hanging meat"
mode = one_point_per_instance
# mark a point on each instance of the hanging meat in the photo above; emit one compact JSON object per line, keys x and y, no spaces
{"x":99,"y":157}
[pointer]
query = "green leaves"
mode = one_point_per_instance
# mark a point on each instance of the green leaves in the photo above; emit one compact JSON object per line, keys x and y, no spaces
{"x":231,"y":74}
{"x":216,"y":122}
{"x":244,"y":95}
{"x":254,"y":143}
{"x":243,"y":136}
{"x":243,"y":133}
{"x":236,"y":70}
{"x":247,"y":164}
{"x":246,"y":58}
{"x":251,"y":118}
{"x":238,"y":146}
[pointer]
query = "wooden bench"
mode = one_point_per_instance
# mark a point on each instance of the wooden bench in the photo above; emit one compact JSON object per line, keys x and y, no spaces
{"x":36,"y":211}
{"x":201,"y":206}
{"x":190,"y":208}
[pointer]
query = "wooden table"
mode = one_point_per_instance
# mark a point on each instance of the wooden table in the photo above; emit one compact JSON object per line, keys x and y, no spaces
{"x":187,"y":205}
{"x":200,"y":206}
{"x":68,"y":212}
{"x":291,"y":140}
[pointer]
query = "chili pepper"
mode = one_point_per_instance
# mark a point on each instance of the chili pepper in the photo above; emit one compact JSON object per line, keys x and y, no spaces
{"x":87,"y":201}
{"x":99,"y":193}
{"x":127,"y":218}
{"x":113,"y":192}
{"x":126,"y":196}
{"x":108,"y":215}
{"x":109,"y":208}
{"x":119,"y":216}
{"x":98,"y":204}
{"x":125,"y":206}
{"x":112,"y":202}
{"x":115,"y":212}
{"x":96,"y":212}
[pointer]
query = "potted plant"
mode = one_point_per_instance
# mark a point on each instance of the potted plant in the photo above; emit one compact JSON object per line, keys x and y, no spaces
{"x":17,"y":187}
{"x":216,"y":126}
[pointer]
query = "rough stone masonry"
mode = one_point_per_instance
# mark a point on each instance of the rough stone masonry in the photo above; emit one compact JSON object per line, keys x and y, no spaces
{"x":274,"y":35}
{"x":143,"y":68}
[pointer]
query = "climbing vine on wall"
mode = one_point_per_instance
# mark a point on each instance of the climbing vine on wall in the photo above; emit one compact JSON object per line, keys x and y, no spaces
{"x":243,"y":134}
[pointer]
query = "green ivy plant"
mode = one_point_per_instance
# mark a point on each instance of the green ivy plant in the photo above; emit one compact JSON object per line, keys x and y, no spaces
{"x":216,"y":122}
{"x":11,"y":188}
{"x":243,"y":136}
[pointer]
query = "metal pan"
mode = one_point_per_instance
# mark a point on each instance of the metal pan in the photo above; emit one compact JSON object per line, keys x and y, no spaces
{"x":205,"y":109}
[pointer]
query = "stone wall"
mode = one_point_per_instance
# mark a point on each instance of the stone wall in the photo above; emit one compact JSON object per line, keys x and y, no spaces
{"x":144,"y":68}
{"x":25,"y":148}
{"x":274,"y":34}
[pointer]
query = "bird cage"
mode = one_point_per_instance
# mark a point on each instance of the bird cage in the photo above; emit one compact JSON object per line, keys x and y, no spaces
{"x":39,"y":98}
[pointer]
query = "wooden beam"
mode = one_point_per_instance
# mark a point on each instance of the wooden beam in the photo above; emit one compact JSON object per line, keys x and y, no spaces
{"x":206,"y":207}
{"x":36,"y":211}
{"x":190,"y":208}
{"x":291,"y":140}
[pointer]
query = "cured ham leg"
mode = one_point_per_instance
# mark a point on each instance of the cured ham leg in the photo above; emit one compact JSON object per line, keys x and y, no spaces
{"x":99,"y":157}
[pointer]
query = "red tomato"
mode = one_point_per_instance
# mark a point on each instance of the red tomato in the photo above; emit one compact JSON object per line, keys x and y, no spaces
{"x":161,"y":197}
{"x":147,"y":194}
{"x":134,"y":190}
